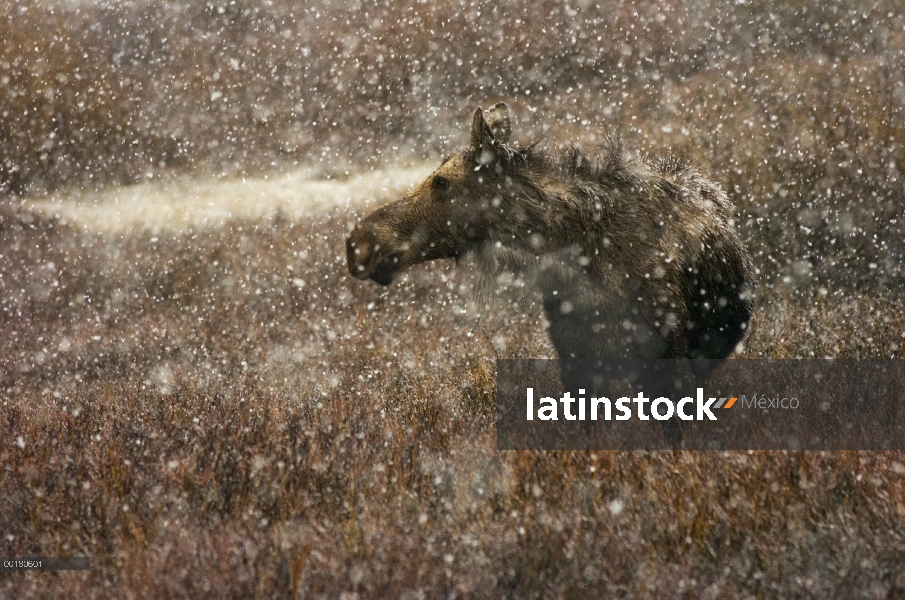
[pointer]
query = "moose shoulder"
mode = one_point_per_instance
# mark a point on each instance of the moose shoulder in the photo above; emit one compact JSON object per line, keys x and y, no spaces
{"x":635,"y":259}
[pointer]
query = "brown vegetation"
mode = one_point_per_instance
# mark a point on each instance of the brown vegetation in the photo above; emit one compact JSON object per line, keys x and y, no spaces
{"x":796,"y":109}
{"x":225,"y":413}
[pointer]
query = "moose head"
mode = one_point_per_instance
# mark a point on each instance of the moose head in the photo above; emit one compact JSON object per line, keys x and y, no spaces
{"x":449,"y":213}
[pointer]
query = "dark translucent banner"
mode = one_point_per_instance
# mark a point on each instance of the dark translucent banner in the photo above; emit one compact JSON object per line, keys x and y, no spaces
{"x":599,"y":404}
{"x":45,"y":563}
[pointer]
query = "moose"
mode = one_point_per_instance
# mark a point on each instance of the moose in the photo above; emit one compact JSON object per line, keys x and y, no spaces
{"x":635,"y":259}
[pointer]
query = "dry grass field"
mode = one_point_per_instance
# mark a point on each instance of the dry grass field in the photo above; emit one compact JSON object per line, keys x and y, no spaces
{"x":218,"y":410}
{"x":226,"y":413}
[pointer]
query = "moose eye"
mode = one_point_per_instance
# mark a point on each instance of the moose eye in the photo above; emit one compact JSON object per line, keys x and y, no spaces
{"x":441,"y":183}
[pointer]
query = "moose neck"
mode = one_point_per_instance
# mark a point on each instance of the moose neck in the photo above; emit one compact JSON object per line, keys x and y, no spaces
{"x":546,"y":214}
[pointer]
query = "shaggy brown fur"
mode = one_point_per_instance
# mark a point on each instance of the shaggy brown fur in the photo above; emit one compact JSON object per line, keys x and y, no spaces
{"x":635,"y":259}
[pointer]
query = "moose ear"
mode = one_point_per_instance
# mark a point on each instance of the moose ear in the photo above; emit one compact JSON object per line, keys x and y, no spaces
{"x":480,"y":132}
{"x":490,"y":130}
{"x":497,"y":119}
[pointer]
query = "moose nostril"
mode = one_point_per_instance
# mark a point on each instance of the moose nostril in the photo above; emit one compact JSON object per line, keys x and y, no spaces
{"x":357,"y":249}
{"x":360,"y":254}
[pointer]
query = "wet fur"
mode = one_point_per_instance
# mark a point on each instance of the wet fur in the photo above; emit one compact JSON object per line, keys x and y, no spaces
{"x":634,"y":258}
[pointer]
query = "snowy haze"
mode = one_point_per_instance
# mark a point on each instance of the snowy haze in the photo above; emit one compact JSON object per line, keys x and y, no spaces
{"x":796,"y":108}
{"x":196,"y":393}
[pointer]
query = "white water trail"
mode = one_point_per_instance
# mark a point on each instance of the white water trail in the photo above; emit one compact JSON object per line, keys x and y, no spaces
{"x":208,"y":202}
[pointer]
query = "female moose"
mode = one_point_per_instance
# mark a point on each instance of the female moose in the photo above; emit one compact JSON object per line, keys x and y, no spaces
{"x":635,"y":259}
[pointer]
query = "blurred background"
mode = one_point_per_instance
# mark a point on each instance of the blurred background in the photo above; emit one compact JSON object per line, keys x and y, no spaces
{"x":796,"y":106}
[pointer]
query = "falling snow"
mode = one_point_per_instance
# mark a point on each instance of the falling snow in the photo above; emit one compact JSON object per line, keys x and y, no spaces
{"x":195,"y":393}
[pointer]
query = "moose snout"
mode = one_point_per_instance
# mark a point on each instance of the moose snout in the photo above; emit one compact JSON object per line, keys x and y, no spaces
{"x":358,"y":254}
{"x":368,"y":260}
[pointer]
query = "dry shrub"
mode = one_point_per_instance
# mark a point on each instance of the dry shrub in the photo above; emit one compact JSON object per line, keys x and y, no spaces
{"x":224,"y":413}
{"x":797,"y":109}
{"x":181,"y":408}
